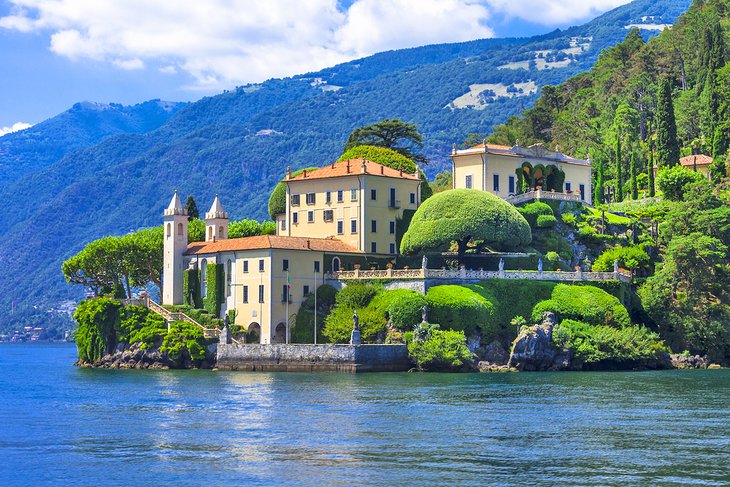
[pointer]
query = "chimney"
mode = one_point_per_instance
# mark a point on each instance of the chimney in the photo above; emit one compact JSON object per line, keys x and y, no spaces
{"x":382,"y":169}
{"x":400,"y":171}
{"x":363,"y":167}
{"x":304,"y":173}
{"x":288,"y":172}
{"x":333,"y":165}
{"x":453,"y":149}
{"x":309,"y":244}
{"x":348,"y":167}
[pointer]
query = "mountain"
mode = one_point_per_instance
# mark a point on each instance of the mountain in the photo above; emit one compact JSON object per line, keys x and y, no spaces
{"x":83,"y":125}
{"x":240,"y":142}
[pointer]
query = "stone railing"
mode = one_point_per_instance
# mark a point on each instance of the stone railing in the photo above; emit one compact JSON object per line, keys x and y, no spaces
{"x":448,"y":274}
{"x":179,"y":316}
{"x":539,"y":194}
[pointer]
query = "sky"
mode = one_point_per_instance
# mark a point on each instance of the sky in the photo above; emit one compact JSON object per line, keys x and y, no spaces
{"x":54,"y":53}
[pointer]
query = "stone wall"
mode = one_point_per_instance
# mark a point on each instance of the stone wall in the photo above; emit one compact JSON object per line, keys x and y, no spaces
{"x":313,"y":358}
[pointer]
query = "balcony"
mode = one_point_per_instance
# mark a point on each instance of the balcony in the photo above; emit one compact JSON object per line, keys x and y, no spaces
{"x":394,"y":204}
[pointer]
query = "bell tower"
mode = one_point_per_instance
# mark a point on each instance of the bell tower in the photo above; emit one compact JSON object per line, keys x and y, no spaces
{"x":175,"y":244}
{"x":216,"y":222}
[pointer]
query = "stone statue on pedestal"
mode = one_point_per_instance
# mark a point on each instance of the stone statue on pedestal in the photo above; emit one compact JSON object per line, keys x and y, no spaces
{"x":424,"y":314}
{"x":539,"y":266}
{"x":355,"y":336}
{"x":424,"y":263}
{"x":501,"y":265}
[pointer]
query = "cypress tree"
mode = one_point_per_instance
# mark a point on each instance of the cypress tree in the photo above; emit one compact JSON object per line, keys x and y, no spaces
{"x":632,"y":175}
{"x":192,"y":208}
{"x":666,"y":127}
{"x":598,"y":196}
{"x":652,"y":192}
{"x":619,"y":172}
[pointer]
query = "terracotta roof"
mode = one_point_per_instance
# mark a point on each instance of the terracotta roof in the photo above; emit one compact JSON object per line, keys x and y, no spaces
{"x":702,"y":160}
{"x":271,"y":242}
{"x":491,"y":146}
{"x":352,"y":167}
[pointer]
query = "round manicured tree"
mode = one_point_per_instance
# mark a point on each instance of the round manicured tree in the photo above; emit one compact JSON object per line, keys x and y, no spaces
{"x":463,"y":215}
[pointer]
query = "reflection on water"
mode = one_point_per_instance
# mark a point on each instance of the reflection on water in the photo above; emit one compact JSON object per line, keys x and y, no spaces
{"x":73,"y":426}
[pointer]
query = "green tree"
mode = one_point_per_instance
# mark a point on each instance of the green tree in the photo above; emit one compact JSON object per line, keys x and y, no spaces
{"x":277,"y":200}
{"x":443,"y":182}
{"x":192,"y":208}
{"x":98,"y":324}
{"x":619,"y":172}
{"x":650,"y":174}
{"x":666,"y":127}
{"x":442,"y":350}
{"x":463,"y":216}
{"x":599,"y":195}
{"x":634,"y":189}
{"x":390,"y":133}
{"x":674,"y":180}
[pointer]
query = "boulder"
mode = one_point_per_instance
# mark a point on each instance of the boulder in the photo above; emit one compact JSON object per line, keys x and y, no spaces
{"x":686,"y":361}
{"x":533,"y":349}
{"x":495,"y":353}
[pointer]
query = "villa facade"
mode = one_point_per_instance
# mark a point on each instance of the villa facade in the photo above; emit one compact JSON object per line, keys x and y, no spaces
{"x":508,"y":171}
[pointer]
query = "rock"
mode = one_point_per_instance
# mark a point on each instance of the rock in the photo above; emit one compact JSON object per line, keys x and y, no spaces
{"x":714,"y":366}
{"x":533,"y":348}
{"x":484,"y":366}
{"x":495,"y":353}
{"x":686,"y":361}
{"x":473,"y":343}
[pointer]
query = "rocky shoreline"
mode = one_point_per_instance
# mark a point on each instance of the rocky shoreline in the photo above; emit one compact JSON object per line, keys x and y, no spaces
{"x":134,"y":357}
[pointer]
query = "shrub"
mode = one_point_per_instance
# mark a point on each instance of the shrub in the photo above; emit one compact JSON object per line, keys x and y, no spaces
{"x":356,"y":296}
{"x":98,"y":321}
{"x":184,"y":340}
{"x":532,"y":211}
{"x":546,"y":221}
{"x":553,"y":258}
{"x":459,"y":308}
{"x":585,"y":303}
{"x":595,"y":344}
{"x":150,"y":333}
{"x":442,"y":350}
{"x":277,"y":200}
{"x":303,"y":331}
{"x":215,"y":292}
{"x":633,"y":258}
{"x":673,"y":180}
{"x":568,"y":219}
{"x":405,"y":309}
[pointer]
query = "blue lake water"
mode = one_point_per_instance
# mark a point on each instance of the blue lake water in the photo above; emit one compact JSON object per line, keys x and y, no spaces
{"x":61,"y":425}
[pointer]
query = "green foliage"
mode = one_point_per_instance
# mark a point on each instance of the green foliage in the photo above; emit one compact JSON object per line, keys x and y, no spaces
{"x":192,"y":208}
{"x":356,"y":296}
{"x":633,"y":258}
{"x":404,"y":309}
{"x":443,"y":350}
{"x":277,"y":200}
{"x":215,"y":289}
{"x":352,"y":298}
{"x":532,"y":211}
{"x":191,"y":288}
{"x":148,"y":333}
{"x":460,"y":308}
{"x":673,"y":181}
{"x":442,"y":182}
{"x":196,"y":230}
{"x":585,"y":303}
{"x":595,"y":344}
{"x":666,"y":127}
{"x":184,"y":341}
{"x":568,"y":219}
{"x":391,"y":133}
{"x":303,"y":331}
{"x":381,"y":155}
{"x":463,"y":215}
{"x":98,"y":324}
{"x":546,"y":221}
{"x":250,"y":228}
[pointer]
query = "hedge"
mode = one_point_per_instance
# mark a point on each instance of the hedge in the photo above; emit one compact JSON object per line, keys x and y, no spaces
{"x":443,"y":350}
{"x":184,"y":340}
{"x":460,"y":214}
{"x":214,"y":289}
{"x":459,"y":308}
{"x":633,"y":258}
{"x":191,"y":288}
{"x":405,"y":307}
{"x":98,"y":325}
{"x":546,"y":221}
{"x":584,"y":303}
{"x":533,"y":211}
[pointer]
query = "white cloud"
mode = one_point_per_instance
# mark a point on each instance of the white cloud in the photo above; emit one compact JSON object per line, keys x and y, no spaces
{"x":221,"y":43}
{"x":14,"y":128}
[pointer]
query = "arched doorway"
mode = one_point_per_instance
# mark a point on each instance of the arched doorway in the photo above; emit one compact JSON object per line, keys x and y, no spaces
{"x":280,"y":333}
{"x":253,"y":333}
{"x":336,"y":264}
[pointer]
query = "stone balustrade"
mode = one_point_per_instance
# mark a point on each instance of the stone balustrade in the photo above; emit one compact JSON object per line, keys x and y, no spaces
{"x":469,"y":274}
{"x":539,"y":194}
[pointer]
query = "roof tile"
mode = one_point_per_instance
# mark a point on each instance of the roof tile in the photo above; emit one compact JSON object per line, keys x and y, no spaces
{"x":271,"y":242}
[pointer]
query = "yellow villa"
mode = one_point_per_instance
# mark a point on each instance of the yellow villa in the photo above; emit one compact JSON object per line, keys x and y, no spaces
{"x":336,"y":217}
{"x":531,"y":171}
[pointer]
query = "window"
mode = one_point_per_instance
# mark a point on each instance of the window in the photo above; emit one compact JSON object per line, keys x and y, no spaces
{"x":392,"y":201}
{"x":295,"y":200}
{"x":169,"y":229}
{"x":336,"y":264}
{"x":413,"y":198}
{"x":392,"y":248}
{"x":495,"y":182}
{"x":511,"y":185}
{"x":245,"y":294}
{"x":295,"y":218}
{"x":567,"y":186}
{"x":210,"y":233}
{"x":373,"y":226}
{"x":353,"y":225}
{"x":328,"y":197}
{"x":179,"y":229}
{"x":329,"y":215}
{"x":285,"y":265}
{"x":261,"y":265}
{"x":582,"y":192}
{"x":284,"y":293}
{"x":373,"y":247}
{"x":340,"y":196}
{"x":373,"y":194}
{"x":310,"y":217}
{"x":467,"y":183}
{"x":316,"y":266}
{"x":392,"y":228}
{"x":283,"y":225}
{"x":311,"y":198}
{"x":340,"y":227}
{"x":261,"y":293}
{"x":229,"y":276}
{"x":245,"y":266}
{"x":305,"y":291}
{"x":353,"y":195}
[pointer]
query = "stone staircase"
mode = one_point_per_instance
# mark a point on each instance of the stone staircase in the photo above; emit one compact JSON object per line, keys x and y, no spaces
{"x":171,"y":316}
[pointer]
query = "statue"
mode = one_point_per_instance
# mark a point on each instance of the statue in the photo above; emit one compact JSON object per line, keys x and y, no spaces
{"x":355,"y":336}
{"x":355,"y":321}
{"x":615,"y":266}
{"x":424,"y":263}
{"x":501,"y":264}
{"x":539,"y":265}
{"x":424,"y":314}
{"x":226,"y":320}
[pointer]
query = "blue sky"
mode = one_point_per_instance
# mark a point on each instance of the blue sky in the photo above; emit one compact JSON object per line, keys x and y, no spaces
{"x":55,"y":53}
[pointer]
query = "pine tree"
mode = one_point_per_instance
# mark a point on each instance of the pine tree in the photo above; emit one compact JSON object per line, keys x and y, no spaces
{"x":598,"y":196}
{"x":192,"y":208}
{"x":666,"y":127}
{"x":619,"y":172}
{"x":652,"y":191}
{"x":632,"y":175}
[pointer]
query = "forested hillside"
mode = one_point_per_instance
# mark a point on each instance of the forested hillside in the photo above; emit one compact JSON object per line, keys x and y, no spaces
{"x":239,"y":143}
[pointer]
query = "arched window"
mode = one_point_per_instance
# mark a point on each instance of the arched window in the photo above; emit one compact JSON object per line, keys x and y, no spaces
{"x":179,"y":229}
{"x":229,"y":278}
{"x":210,"y":233}
{"x":203,"y":280}
{"x":169,"y":229}
{"x":220,"y":232}
{"x":336,"y":264}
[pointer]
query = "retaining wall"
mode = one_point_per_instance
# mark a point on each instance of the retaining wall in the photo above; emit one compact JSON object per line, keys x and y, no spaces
{"x":313,"y":358}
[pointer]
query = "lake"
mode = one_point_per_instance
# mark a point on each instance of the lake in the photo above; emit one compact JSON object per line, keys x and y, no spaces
{"x":62,"y":425}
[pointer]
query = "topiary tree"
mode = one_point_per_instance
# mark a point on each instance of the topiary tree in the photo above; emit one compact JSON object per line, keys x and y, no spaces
{"x":459,"y":308}
{"x":463,"y":215}
{"x":442,"y":350}
{"x":585,"y":303}
{"x":546,"y":221}
{"x":533,"y":211}
{"x":277,"y":200}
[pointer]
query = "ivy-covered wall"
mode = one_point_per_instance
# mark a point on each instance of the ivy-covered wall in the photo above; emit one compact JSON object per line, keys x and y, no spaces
{"x":191,"y":288}
{"x":215,"y":289}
